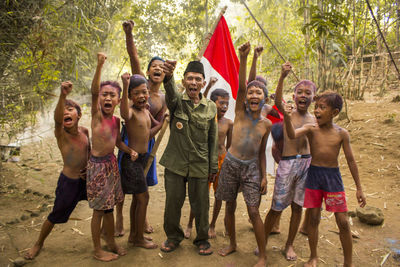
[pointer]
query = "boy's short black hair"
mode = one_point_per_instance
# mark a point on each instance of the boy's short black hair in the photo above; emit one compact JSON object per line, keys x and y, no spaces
{"x":218,"y":93}
{"x":262,"y":79}
{"x":277,"y":132}
{"x":306,"y":83}
{"x":114,"y":84}
{"x":152,"y":59}
{"x":333,"y":99}
{"x":258,"y":84}
{"x":72,"y":103}
{"x":135,"y":81}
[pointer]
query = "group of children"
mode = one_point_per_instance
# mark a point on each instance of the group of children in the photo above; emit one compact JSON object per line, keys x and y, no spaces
{"x":307,"y":149}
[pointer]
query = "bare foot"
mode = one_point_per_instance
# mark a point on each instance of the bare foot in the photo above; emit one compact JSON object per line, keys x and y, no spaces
{"x":117,"y":249}
{"x":32,"y":252}
{"x":118,"y":233}
{"x":227,"y":250}
{"x":102,"y":255}
{"x":144,"y":244}
{"x":148,"y":229}
{"x":275,"y":231}
{"x":311,"y":262}
{"x":131,"y":239}
{"x":211,"y":233}
{"x":290,"y":254}
{"x":188,"y":232}
{"x":260,"y":263}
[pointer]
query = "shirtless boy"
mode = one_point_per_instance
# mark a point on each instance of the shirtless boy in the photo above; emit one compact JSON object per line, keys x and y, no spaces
{"x":244,"y":164}
{"x":103,"y":181}
{"x":158,"y":107}
{"x":324,"y":180}
{"x":73,"y":142}
{"x":293,"y":165}
{"x":138,"y":125}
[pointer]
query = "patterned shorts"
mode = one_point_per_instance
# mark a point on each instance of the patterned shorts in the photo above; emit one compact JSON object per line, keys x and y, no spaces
{"x":290,"y":182}
{"x":237,"y":173}
{"x":103,"y":183}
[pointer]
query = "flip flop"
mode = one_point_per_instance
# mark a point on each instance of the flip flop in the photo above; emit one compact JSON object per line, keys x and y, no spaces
{"x":204,"y":246}
{"x":168,"y":247}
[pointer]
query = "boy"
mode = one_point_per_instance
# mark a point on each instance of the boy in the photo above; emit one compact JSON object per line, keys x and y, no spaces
{"x":293,"y":165}
{"x":138,"y":125}
{"x":157,"y":105}
{"x":103,"y":181}
{"x":324,"y":179}
{"x":244,"y":164}
{"x":73,"y":142}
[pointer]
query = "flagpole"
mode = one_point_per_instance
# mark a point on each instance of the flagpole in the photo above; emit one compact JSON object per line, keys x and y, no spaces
{"x":209,"y":34}
{"x":266,"y":35}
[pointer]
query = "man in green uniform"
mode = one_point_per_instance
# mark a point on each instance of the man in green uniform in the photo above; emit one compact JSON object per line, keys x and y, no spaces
{"x":191,"y":155}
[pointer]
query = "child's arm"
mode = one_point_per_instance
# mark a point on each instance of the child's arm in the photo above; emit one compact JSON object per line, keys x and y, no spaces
{"x":131,"y":48}
{"x":253,"y":70}
{"x":122,"y":146}
{"x":171,"y":92}
{"x":353,"y":167}
{"x":286,"y":68}
{"x":262,"y":159}
{"x":66,"y":88}
{"x":101,"y":58}
{"x":126,"y":112}
{"x":244,"y":50}
{"x":229,"y":135}
{"x":156,"y":125}
{"x":210,"y":84}
{"x":290,"y":131}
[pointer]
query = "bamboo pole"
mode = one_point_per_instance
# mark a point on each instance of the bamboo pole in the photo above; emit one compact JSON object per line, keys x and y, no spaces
{"x":156,"y":145}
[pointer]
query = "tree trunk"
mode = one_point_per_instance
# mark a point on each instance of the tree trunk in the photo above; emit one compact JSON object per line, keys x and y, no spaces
{"x":306,"y":15}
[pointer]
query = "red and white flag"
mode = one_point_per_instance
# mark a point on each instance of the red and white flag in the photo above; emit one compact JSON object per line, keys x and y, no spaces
{"x":220,"y":61}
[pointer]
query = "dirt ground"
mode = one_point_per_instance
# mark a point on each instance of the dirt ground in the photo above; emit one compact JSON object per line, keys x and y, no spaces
{"x":27,"y":195}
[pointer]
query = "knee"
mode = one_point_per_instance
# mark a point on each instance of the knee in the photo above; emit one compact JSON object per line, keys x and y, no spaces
{"x":296,"y":208}
{"x":253,"y":213}
{"x":343,"y":224}
{"x":314,"y":220}
{"x":230,"y":207}
{"x":143,"y":199}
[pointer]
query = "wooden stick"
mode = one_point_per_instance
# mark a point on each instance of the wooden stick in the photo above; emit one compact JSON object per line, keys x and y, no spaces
{"x":209,"y":34}
{"x":156,"y":145}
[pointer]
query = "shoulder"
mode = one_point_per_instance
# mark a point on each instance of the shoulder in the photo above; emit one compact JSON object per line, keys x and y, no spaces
{"x":211,"y":106}
{"x":266,"y":122}
{"x":84,"y":130}
{"x":341,"y":131}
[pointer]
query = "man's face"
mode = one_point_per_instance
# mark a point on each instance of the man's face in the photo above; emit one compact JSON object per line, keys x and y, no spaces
{"x":254,"y":98}
{"x":222,"y":104}
{"x":155,"y":72}
{"x":71,"y":117}
{"x":193,"y":83}
{"x":139,"y":96}
{"x":303,"y":97}
{"x":108,"y":99}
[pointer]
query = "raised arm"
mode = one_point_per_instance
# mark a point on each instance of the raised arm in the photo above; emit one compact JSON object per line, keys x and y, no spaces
{"x":286,"y":68}
{"x":131,"y":48}
{"x":66,"y":88}
{"x":351,"y":162}
{"x":244,"y":50}
{"x":126,"y":112}
{"x":101,"y":58}
{"x":210,"y":84}
{"x":253,"y":70}
{"x":171,"y":92}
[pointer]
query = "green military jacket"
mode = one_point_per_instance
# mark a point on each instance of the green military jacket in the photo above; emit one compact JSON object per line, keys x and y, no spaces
{"x":192,"y":149}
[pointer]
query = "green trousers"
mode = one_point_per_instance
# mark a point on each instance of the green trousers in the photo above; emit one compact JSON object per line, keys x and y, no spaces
{"x":175,"y":189}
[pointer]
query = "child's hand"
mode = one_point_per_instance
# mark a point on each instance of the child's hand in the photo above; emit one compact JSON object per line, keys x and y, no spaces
{"x":128,"y":26}
{"x":125,"y":79}
{"x":101,"y":58}
{"x":287,"y":109}
{"x":212,"y":81}
{"x":263,"y":188}
{"x":244,"y":49}
{"x":168,"y":68}
{"x":134,"y":155}
{"x":361,"y":198}
{"x":286,"y":68}
{"x":66,"y":88}
{"x":82,"y":174}
{"x":258,"y":50}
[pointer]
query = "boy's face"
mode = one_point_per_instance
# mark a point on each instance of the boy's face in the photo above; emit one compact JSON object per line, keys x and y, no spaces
{"x":139,"y":96}
{"x":193,"y":83}
{"x":255,"y":98}
{"x":222,"y":104}
{"x":303,"y":97}
{"x":323,"y":112}
{"x":71,"y":117}
{"x":108,"y":99}
{"x":155,"y":72}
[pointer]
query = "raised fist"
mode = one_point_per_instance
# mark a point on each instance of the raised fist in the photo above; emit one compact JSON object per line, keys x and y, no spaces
{"x":169,"y":67}
{"x":128,"y":26}
{"x":244,"y":49}
{"x":287,"y":109}
{"x":101,"y":58}
{"x":212,"y":81}
{"x":258,"y":50}
{"x":286,"y":68}
{"x":66,"y":87}
{"x":125,"y":79}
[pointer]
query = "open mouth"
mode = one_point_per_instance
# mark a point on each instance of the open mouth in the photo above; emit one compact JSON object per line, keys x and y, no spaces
{"x":157,"y":74}
{"x":193,"y":90}
{"x":142,"y":102}
{"x":107,"y":105}
{"x":67,"y":119}
{"x":254,"y":103}
{"x":302,"y":102}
